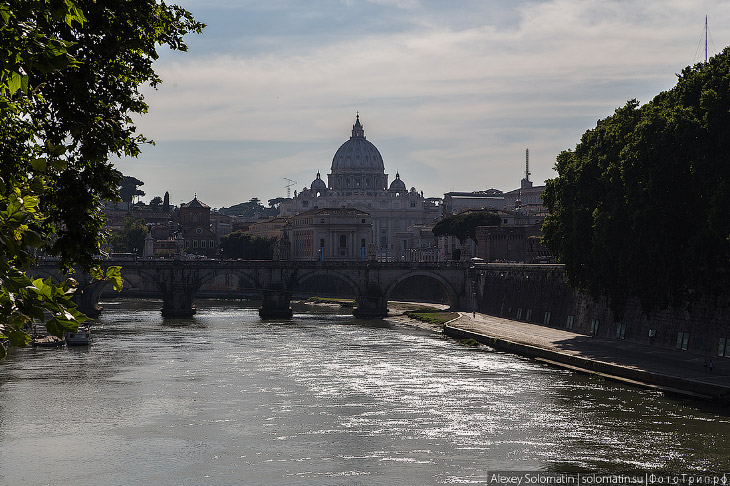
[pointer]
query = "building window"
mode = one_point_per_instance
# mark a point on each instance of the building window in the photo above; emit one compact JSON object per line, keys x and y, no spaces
{"x":305,"y":204}
{"x":211,"y":244}
{"x":202,"y":243}
{"x":546,"y":319}
{"x":519,"y":313}
{"x":362,"y":243}
{"x":569,"y":322}
{"x":594,"y":326}
{"x":682,"y":340}
{"x":195,"y":243}
{"x":343,"y":241}
{"x":620,"y":330}
{"x":321,"y":243}
{"x":528,"y":317}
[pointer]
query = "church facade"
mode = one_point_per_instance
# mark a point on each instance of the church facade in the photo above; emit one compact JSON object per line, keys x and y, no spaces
{"x":357,"y":179}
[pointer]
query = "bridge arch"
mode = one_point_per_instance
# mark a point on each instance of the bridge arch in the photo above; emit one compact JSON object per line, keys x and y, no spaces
{"x":247,"y":275}
{"x":302,"y":277}
{"x":452,"y":294}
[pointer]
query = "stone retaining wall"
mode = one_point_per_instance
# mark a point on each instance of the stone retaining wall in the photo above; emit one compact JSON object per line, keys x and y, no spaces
{"x":539,"y":294}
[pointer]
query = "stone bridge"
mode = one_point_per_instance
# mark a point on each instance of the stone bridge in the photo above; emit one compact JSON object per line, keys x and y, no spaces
{"x":177,"y":282}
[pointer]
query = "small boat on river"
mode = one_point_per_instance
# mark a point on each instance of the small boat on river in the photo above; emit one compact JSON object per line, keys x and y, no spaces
{"x":82,"y":337}
{"x":47,"y":342}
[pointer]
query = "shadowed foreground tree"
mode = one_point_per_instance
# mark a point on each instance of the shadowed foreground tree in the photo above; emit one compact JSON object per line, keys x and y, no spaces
{"x":641,"y":207}
{"x":69,"y":82}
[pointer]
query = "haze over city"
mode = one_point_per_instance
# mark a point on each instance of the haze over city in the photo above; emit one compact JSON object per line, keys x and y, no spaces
{"x":451,"y":93}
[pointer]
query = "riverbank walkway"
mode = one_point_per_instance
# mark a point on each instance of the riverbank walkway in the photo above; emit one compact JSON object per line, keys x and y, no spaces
{"x":668,"y":370}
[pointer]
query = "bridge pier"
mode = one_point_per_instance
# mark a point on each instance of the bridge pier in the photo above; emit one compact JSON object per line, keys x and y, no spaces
{"x":177,"y":301}
{"x":86,"y":298}
{"x":372,"y":304}
{"x":178,"y":288}
{"x":275,"y":305}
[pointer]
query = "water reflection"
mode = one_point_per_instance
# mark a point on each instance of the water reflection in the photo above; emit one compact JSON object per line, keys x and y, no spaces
{"x":321,"y":399}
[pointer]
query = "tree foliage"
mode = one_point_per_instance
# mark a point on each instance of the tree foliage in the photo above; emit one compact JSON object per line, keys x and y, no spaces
{"x":130,"y":239}
{"x":641,"y":207}
{"x":251,"y":209}
{"x":247,"y":246}
{"x":128,"y":189}
{"x":155,"y":203}
{"x":276,"y":202}
{"x":464,"y":225}
{"x":70,"y":73}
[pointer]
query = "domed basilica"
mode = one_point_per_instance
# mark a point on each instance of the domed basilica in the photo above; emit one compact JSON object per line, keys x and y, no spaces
{"x":357,"y":179}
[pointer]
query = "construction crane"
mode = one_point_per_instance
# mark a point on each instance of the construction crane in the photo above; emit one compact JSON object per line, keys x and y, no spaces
{"x":289,"y":186}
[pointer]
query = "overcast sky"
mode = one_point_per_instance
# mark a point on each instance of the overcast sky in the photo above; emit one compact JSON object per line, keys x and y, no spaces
{"x":450,"y":92}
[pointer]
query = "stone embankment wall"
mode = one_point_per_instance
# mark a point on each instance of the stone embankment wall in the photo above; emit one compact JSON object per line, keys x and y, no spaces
{"x":539,"y":294}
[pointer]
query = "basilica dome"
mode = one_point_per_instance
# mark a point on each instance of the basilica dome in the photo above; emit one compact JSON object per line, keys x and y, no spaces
{"x":398,"y":185}
{"x":357,"y":154}
{"x":318,"y":184}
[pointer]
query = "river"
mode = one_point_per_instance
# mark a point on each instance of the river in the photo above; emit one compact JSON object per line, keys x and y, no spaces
{"x":226,"y":399}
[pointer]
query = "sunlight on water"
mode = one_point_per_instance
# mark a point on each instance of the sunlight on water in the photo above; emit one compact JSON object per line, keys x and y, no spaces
{"x":323,"y":399}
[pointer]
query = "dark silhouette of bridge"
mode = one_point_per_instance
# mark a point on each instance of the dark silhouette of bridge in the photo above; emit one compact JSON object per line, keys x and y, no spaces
{"x":178,"y":281}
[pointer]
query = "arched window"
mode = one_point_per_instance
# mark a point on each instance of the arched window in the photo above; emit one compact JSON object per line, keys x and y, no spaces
{"x":343,"y":241}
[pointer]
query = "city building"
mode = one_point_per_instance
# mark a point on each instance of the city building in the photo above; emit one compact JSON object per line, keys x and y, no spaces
{"x":195,"y":221}
{"x":268,"y":228}
{"x":330,"y":234}
{"x":519,"y":238}
{"x":490,"y":200}
{"x":357,"y":180}
{"x":521,"y":244}
{"x":527,"y":199}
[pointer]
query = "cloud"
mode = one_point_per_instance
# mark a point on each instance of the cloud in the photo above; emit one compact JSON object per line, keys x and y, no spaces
{"x":462,"y":95}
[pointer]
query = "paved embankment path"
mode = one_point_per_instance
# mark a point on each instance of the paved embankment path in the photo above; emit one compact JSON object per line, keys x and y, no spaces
{"x":665,"y":369}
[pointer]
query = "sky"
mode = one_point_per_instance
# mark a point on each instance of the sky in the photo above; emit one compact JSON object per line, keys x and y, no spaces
{"x":451,"y":93}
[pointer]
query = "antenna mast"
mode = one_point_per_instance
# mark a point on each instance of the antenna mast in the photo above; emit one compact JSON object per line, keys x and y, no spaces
{"x":289,"y":186}
{"x":705,"y":39}
{"x":527,"y":164}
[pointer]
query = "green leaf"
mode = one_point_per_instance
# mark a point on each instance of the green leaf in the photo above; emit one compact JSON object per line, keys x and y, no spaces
{"x":32,"y":238}
{"x":15,"y":82}
{"x":39,"y":164}
{"x":4,"y":14}
{"x":114,"y":274}
{"x":19,"y":338}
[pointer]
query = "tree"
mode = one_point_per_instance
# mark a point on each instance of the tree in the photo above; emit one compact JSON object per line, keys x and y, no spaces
{"x":249,"y":209}
{"x":155,"y":203}
{"x":166,"y":203}
{"x":247,"y":246}
{"x":464,"y":225}
{"x":131,"y":237}
{"x":128,"y":189}
{"x":275,"y":202}
{"x":69,"y":82}
{"x":641,"y":207}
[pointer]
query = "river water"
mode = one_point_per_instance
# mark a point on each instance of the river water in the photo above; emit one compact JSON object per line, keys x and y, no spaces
{"x":226,"y":399}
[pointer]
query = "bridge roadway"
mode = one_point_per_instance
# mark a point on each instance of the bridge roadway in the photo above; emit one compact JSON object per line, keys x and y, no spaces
{"x":178,"y":281}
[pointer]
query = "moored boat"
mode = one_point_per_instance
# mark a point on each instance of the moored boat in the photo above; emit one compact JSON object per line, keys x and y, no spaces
{"x":47,"y":342}
{"x":82,"y":337}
